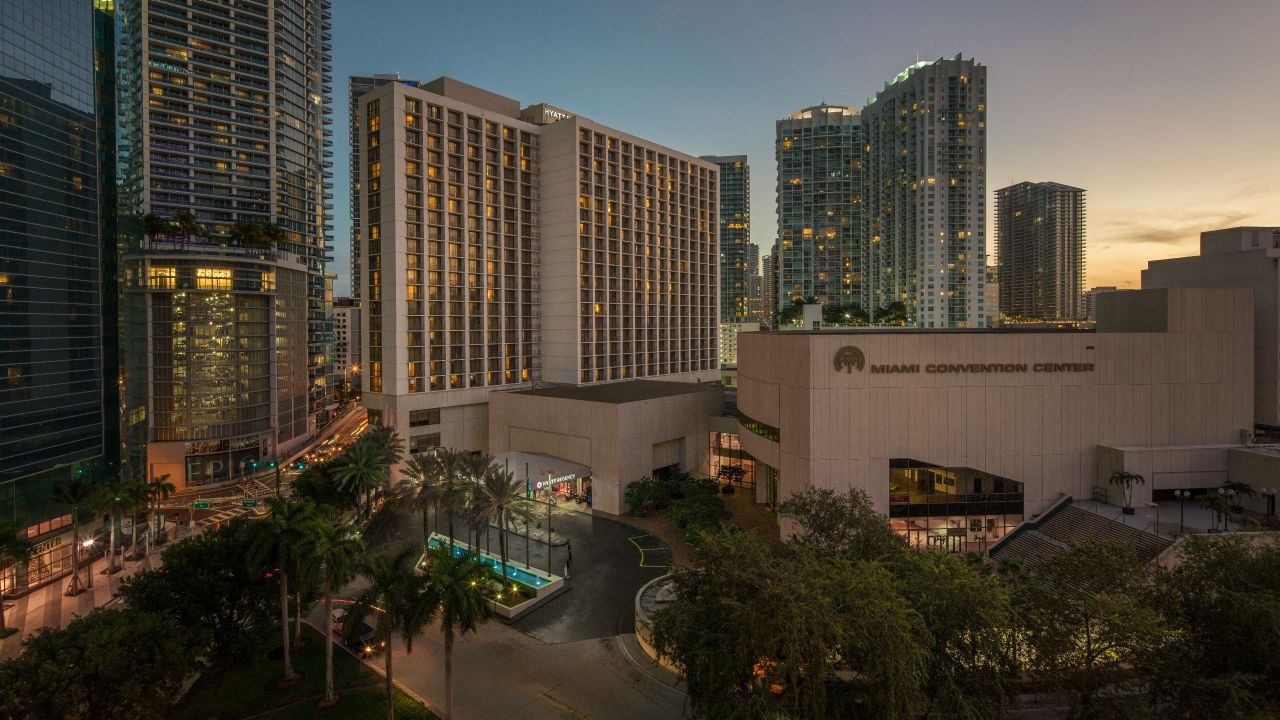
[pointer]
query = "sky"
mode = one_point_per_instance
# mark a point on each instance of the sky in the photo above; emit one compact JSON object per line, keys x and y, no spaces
{"x":1163,"y":110}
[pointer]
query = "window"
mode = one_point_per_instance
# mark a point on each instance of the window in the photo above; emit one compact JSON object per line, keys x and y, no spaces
{"x":424,"y":443}
{"x":419,"y":418}
{"x":213,"y":278}
{"x":165,"y":278}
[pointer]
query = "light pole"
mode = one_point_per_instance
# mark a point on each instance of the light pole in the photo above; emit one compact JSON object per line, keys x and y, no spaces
{"x":1269,"y":500}
{"x":1182,"y":496}
{"x":1157,"y":507}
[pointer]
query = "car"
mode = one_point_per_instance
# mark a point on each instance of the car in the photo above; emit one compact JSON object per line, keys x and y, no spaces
{"x":358,"y":639}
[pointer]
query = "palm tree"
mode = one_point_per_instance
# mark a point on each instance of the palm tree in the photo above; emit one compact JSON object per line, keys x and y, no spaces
{"x":336,"y":550}
{"x":506,"y":504}
{"x":425,"y":490}
{"x":113,"y":499}
{"x":273,"y":235}
{"x":186,"y":225}
{"x":279,"y":542}
{"x":76,"y":493}
{"x":154,"y":226}
{"x":455,"y":585}
{"x":158,"y":490}
{"x":138,"y":492}
{"x":449,"y":466}
{"x":1126,"y":480}
{"x":389,"y":445}
{"x":15,"y":549}
{"x":360,"y":469}
{"x":398,"y":596}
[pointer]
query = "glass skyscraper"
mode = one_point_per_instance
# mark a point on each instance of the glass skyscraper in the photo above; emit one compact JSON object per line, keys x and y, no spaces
{"x":736,"y":263}
{"x":51,"y":376}
{"x":820,"y":250}
{"x":1040,"y":251}
{"x":224,"y":113}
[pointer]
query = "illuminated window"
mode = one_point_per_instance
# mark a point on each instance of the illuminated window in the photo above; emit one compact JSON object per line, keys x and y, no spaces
{"x":213,"y":278}
{"x":163,"y":277}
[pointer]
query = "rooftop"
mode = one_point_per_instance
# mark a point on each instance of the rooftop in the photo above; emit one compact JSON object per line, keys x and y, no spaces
{"x":932,"y":331}
{"x":617,"y":393}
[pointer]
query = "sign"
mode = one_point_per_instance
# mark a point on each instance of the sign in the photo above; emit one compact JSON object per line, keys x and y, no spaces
{"x":249,"y":503}
{"x":200,"y":505}
{"x":554,"y":480}
{"x":850,"y":358}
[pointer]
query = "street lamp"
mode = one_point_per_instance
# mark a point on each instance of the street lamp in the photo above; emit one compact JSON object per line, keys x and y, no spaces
{"x":1157,"y":507}
{"x":1182,"y":496}
{"x":1269,"y":499}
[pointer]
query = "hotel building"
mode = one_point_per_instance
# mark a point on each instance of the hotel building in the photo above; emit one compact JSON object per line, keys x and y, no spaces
{"x":223,"y":113}
{"x":959,"y":435}
{"x":1040,"y":251}
{"x":505,"y":246}
{"x":736,"y":264}
{"x":925,"y":198}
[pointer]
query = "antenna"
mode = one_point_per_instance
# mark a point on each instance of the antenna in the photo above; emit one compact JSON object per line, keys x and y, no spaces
{"x":917,"y":57}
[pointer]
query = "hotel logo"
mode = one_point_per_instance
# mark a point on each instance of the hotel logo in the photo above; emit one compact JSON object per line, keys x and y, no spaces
{"x":850,"y":358}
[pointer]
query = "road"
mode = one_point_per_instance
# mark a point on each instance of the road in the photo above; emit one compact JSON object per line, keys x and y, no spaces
{"x":573,"y":658}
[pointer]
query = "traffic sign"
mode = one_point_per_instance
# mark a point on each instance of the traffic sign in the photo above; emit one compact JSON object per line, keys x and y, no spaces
{"x":200,"y":505}
{"x":249,"y":502}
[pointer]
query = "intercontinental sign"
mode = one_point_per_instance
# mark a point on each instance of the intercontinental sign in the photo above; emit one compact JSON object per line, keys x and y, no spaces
{"x":849,"y":358}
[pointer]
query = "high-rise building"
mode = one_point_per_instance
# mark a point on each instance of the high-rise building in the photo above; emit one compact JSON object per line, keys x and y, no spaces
{"x":925,"y":180}
{"x":52,"y":421}
{"x":346,"y":330}
{"x":1040,"y":251}
{"x":358,"y":85}
{"x":504,"y":246}
{"x":736,"y":263}
{"x":992,"y":290}
{"x":820,"y":208}
{"x":224,"y":113}
{"x":769,"y":286}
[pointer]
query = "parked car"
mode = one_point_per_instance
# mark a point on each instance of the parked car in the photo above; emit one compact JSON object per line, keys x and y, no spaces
{"x":359,"y":639}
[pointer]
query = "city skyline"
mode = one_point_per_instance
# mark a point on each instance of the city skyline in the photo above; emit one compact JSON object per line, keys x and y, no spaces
{"x":1095,"y":63}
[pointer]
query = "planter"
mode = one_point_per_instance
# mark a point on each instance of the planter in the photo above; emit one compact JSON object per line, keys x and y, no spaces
{"x":1128,"y":511}
{"x":639,"y":512}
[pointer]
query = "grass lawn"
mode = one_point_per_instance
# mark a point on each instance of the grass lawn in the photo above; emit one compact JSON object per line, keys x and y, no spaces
{"x":243,"y":691}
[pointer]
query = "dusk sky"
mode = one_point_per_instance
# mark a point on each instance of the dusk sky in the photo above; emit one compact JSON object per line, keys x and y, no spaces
{"x":1163,"y":110}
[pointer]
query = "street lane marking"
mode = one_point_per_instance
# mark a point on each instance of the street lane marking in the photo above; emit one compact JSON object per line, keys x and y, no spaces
{"x":661,"y":551}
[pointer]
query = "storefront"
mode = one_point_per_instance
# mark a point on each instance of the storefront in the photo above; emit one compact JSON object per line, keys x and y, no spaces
{"x":547,"y":477}
{"x":51,"y":558}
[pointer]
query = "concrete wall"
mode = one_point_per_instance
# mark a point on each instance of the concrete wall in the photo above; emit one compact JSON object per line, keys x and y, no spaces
{"x":838,"y":429}
{"x":616,"y":440}
{"x":1255,"y":270}
{"x":1259,"y":467}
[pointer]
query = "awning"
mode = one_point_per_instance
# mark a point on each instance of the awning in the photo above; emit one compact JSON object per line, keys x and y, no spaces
{"x":541,"y":471}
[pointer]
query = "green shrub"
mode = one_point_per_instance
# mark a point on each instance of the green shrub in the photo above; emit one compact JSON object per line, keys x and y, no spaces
{"x":696,"y":511}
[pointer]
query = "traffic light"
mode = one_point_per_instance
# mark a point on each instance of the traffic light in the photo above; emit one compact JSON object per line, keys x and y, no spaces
{"x":300,"y":465}
{"x":262,"y":465}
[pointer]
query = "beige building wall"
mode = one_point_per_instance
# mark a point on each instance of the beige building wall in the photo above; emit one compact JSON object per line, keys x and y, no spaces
{"x":1189,"y":385}
{"x":620,"y":442}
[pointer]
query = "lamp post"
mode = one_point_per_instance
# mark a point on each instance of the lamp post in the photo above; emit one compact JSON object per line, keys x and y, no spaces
{"x":1157,"y":507}
{"x":1182,"y":496}
{"x":1269,"y":500}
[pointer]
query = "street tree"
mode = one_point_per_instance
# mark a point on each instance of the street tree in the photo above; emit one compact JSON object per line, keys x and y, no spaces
{"x":336,"y":551}
{"x":397,"y":603}
{"x":455,"y":587}
{"x":114,"y":498}
{"x":756,"y":633}
{"x":15,"y":550}
{"x":107,"y":664}
{"x":76,"y":493}
{"x":360,"y":470}
{"x":841,"y":524}
{"x":205,"y":582}
{"x":505,"y":504}
{"x":279,"y":543}
{"x":159,"y":488}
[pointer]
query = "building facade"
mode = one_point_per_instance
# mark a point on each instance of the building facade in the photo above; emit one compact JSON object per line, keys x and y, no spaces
{"x":346,"y":334}
{"x":769,"y":287}
{"x":959,"y":435}
{"x":358,"y":85}
{"x":224,"y":139}
{"x":1040,"y":252}
{"x":820,"y":249}
{"x":736,"y":262}
{"x":1091,"y":300}
{"x":1243,"y":257}
{"x":925,"y":199}
{"x":52,"y":418}
{"x":500,"y":250}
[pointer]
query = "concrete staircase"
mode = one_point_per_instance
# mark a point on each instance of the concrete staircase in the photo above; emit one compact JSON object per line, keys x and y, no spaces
{"x":1066,"y":525}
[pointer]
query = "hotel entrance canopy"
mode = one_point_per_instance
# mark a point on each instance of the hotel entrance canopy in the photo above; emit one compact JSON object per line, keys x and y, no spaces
{"x":539,"y":471}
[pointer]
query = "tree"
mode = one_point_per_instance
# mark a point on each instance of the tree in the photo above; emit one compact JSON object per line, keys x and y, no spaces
{"x":158,"y":490}
{"x":1126,"y":480}
{"x":969,"y":670}
{"x":793,"y":313}
{"x":1089,"y":627}
{"x":390,"y":447}
{"x":138,"y":493}
{"x":472,"y":468}
{"x":454,"y":586}
{"x":895,"y":313}
{"x":15,"y":549}
{"x":273,"y":235}
{"x":185,"y":224}
{"x":113,"y":499}
{"x":76,"y":493}
{"x":205,"y":582}
{"x":154,"y":226}
{"x":318,"y":483}
{"x":843,"y":315}
{"x":1221,"y":601}
{"x":360,"y":470}
{"x":757,"y":633}
{"x":504,"y":504}
{"x":427,"y":487}
{"x":107,"y":664}
{"x":336,"y":550}
{"x":279,"y":544}
{"x":397,"y":598}
{"x":247,"y":234}
{"x":841,"y":524}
